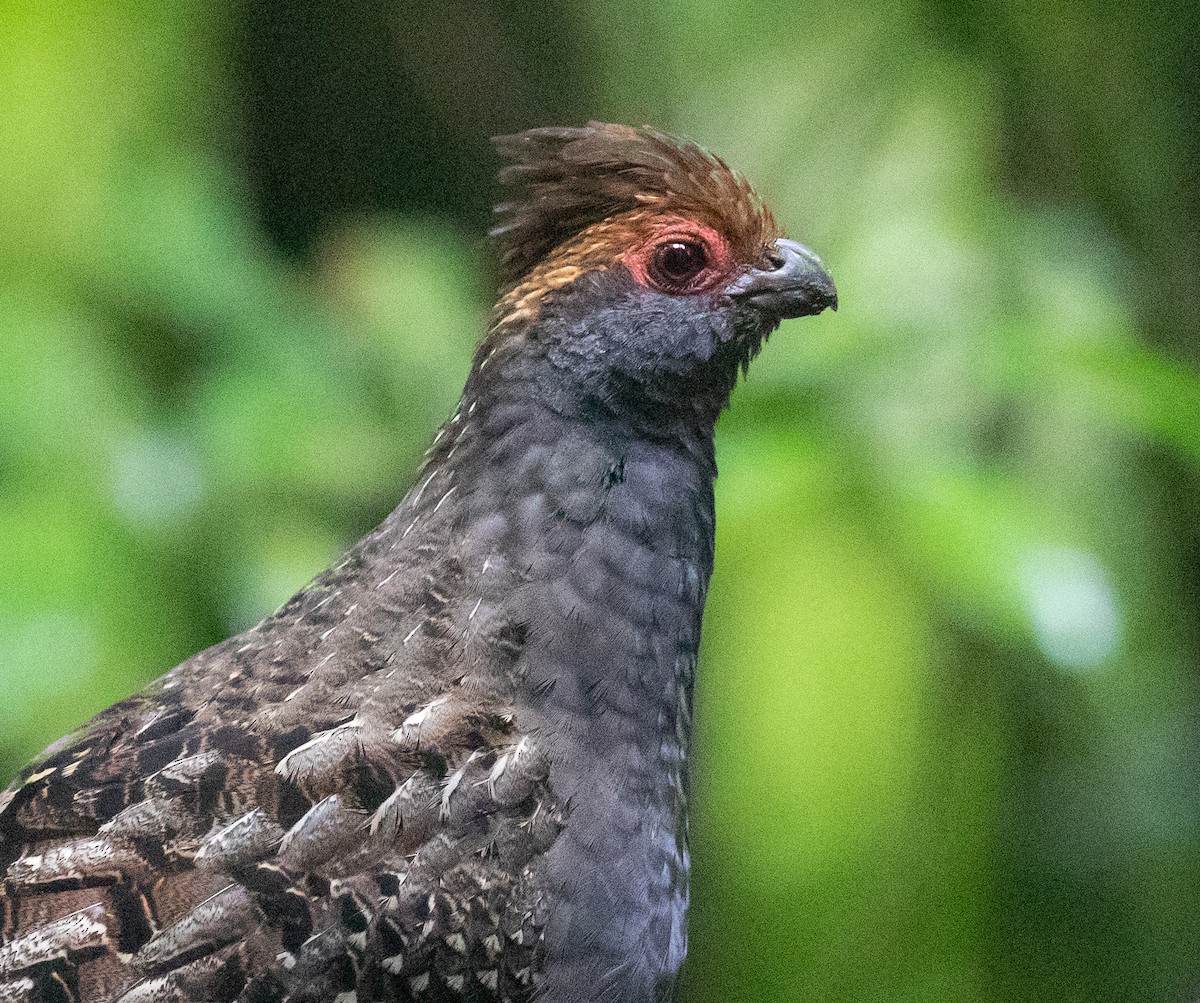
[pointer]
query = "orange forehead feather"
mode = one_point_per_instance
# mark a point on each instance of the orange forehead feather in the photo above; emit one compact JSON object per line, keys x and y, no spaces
{"x":568,"y":180}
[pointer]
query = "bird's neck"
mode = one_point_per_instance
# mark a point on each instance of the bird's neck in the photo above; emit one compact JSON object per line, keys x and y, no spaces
{"x":595,"y":531}
{"x":581,"y":542}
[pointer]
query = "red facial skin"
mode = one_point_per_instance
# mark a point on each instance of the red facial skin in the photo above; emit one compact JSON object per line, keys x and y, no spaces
{"x":719,"y":266}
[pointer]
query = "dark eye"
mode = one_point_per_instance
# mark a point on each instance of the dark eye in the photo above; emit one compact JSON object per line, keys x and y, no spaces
{"x":675,"y":263}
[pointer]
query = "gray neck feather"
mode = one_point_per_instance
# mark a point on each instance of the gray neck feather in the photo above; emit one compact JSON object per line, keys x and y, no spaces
{"x":598,"y":538}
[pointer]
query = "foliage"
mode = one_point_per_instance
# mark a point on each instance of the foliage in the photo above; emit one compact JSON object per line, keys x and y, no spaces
{"x":946,"y":713}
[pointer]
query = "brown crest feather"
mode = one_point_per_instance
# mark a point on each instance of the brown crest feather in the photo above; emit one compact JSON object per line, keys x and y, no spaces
{"x":567,"y":179}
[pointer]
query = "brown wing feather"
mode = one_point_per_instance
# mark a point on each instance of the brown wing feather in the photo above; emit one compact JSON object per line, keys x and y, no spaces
{"x":304,"y":812}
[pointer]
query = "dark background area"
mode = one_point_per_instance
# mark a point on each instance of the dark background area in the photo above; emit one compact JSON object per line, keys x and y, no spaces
{"x":947,"y":716}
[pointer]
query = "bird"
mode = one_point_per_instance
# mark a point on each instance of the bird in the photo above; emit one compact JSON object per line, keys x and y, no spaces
{"x":454,"y":767}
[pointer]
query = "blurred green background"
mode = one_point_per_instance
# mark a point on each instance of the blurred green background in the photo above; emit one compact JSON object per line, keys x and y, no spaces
{"x":948,"y":712}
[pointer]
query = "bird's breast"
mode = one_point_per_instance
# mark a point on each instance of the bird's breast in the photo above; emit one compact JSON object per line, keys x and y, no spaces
{"x":606,"y":676}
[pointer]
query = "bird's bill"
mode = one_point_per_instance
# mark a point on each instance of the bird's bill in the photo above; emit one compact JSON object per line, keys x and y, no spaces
{"x":798,"y":286}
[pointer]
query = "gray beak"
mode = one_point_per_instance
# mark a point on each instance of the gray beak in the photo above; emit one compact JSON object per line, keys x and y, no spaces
{"x":795,"y":284}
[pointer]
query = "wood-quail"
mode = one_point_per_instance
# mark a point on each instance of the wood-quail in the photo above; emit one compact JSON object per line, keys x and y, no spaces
{"x":454,"y":767}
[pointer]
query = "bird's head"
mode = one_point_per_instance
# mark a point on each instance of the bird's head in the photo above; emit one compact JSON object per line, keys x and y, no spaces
{"x":636,"y":265}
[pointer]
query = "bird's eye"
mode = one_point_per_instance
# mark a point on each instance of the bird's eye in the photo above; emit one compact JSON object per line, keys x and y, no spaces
{"x":676,"y":263}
